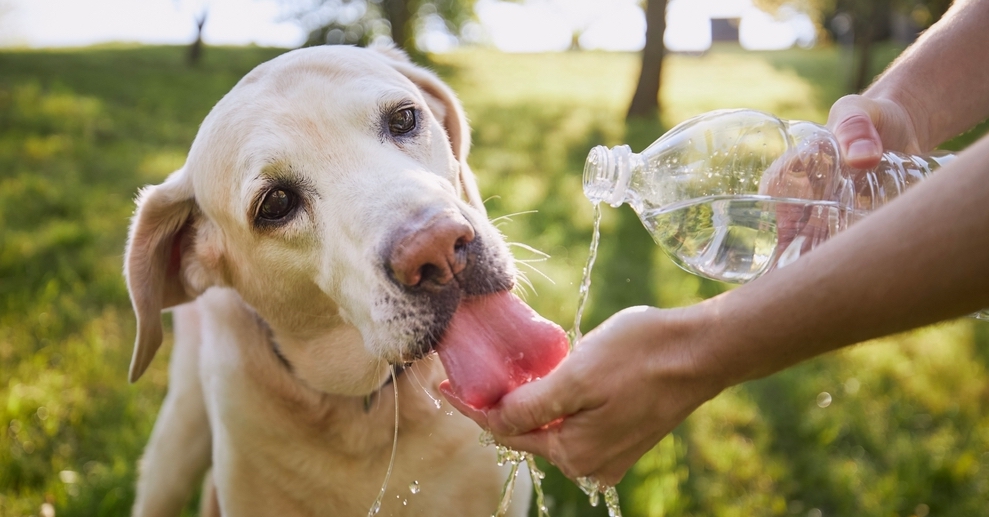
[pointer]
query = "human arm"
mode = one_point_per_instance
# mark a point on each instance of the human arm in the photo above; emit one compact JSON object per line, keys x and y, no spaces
{"x":936,"y":89}
{"x":918,"y":260}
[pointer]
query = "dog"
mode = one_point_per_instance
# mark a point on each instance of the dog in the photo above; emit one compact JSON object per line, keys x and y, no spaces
{"x":313,"y":248}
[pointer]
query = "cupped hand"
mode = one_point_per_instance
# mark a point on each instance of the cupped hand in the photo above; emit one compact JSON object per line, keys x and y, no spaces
{"x":627,"y":384}
{"x":865,"y":127}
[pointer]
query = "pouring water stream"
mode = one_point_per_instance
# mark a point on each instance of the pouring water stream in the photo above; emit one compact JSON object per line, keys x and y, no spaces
{"x":589,"y":486}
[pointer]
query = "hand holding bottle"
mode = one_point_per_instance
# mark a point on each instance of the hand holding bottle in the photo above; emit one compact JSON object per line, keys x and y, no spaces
{"x":865,"y":127}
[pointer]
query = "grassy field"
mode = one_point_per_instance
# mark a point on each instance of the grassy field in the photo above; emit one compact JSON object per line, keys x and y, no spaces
{"x":906,"y":431}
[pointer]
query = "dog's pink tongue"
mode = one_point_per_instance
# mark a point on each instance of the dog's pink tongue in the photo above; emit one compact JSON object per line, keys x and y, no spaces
{"x":496,"y":343}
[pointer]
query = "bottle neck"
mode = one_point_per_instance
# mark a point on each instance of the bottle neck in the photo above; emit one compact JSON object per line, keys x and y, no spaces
{"x":607,"y":173}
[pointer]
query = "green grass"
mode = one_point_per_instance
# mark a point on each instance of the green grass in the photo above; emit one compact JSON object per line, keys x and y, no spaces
{"x":81,"y":131}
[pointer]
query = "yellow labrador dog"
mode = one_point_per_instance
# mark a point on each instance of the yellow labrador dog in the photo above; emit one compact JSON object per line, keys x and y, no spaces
{"x":324,"y":230}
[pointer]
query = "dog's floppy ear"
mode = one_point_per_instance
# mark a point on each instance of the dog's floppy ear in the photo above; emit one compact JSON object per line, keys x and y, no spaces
{"x":447,"y":109}
{"x":160,"y":233}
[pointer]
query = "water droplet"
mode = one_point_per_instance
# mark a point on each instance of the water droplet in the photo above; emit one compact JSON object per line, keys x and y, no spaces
{"x":486,"y":438}
{"x":414,"y":487}
{"x":823,"y":399}
{"x":852,"y":386}
{"x":375,"y":508}
{"x":449,"y":413}
{"x":437,"y":403}
{"x":405,"y":502}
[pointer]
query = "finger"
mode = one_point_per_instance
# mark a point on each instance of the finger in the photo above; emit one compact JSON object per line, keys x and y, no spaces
{"x":612,"y":473}
{"x":546,"y":443}
{"x":853,"y":127}
{"x":536,"y":404}
{"x":614,"y":470}
{"x":469,"y":411}
{"x":536,"y":442}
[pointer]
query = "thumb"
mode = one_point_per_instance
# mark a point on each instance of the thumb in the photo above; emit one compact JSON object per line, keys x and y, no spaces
{"x":536,"y":404}
{"x":854,"y":128}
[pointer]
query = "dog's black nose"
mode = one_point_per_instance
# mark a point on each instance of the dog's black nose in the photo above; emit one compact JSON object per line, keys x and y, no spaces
{"x":430,"y":253}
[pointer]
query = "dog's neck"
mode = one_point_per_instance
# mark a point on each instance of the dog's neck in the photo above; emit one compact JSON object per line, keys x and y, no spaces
{"x":368,"y":399}
{"x":333,"y":361}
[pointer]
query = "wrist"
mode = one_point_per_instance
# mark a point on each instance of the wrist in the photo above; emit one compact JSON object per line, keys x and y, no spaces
{"x":704,"y":362}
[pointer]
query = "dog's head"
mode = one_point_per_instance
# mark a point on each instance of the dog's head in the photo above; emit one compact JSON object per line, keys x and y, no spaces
{"x":330,"y":189}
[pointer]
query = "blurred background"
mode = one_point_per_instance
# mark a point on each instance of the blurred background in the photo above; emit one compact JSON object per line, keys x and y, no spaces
{"x":100,"y":97}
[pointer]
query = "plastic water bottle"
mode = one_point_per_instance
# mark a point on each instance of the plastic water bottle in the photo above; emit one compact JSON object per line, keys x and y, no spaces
{"x":733,"y":194}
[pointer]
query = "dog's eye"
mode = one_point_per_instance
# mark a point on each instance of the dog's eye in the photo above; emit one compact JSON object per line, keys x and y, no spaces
{"x":277,"y":204}
{"x":402,"y":121}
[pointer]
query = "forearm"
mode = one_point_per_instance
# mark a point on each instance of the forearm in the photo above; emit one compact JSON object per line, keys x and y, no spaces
{"x":919,"y":260}
{"x":942,"y":80}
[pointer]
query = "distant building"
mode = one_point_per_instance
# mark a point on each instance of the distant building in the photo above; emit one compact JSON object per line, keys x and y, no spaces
{"x":725,"y":29}
{"x":693,"y":25}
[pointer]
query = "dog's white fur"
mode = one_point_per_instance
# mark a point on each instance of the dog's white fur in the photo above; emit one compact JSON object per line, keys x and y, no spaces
{"x":284,"y":333}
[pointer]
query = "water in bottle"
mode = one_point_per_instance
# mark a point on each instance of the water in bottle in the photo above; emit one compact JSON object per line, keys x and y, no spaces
{"x":733,"y":194}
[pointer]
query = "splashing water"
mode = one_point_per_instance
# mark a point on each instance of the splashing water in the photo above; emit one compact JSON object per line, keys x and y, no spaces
{"x":376,"y":506}
{"x":594,"y":490}
{"x":591,"y":486}
{"x":515,"y":458}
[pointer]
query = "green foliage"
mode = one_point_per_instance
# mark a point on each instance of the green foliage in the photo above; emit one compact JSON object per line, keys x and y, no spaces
{"x":359,"y":22}
{"x":80,"y":132}
{"x":902,"y":430}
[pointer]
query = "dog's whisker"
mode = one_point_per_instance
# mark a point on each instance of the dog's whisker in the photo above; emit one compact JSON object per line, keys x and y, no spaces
{"x":530,"y":261}
{"x":526,"y":247}
{"x":528,"y":264}
{"x":523,"y":286}
{"x":523,"y":279}
{"x":508,"y":217}
{"x":415,"y":376}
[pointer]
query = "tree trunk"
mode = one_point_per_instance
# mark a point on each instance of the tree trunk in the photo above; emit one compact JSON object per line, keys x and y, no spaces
{"x":399,"y":16}
{"x":862,"y":78}
{"x":196,"y":48}
{"x":645,"y":101}
{"x":870,"y":28}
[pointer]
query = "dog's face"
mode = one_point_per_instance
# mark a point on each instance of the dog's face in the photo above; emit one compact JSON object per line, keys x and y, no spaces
{"x":330,"y":189}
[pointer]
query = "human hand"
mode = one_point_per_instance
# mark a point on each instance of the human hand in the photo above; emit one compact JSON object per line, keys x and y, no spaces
{"x":865,"y":127}
{"x":806,"y":174}
{"x":627,"y":384}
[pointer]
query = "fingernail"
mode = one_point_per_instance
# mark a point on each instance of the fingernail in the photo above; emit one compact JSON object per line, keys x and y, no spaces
{"x":861,"y":149}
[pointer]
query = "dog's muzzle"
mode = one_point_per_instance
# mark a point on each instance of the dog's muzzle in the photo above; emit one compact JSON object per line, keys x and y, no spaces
{"x":427,"y":254}
{"x":436,"y":259}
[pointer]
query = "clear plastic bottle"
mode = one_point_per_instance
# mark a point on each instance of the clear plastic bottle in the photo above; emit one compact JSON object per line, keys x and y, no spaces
{"x":733,"y":194}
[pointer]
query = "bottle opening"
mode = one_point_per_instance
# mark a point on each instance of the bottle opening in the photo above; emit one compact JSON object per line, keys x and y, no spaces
{"x":606,"y":174}
{"x":599,"y":174}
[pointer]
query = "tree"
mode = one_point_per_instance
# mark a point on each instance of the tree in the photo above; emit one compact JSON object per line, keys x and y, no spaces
{"x":196,"y":48}
{"x":362,"y":21}
{"x":871,"y":24}
{"x":868,"y":22}
{"x":645,"y":101}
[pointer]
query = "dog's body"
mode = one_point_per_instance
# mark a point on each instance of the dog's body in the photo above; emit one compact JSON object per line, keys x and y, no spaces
{"x":317,"y":240}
